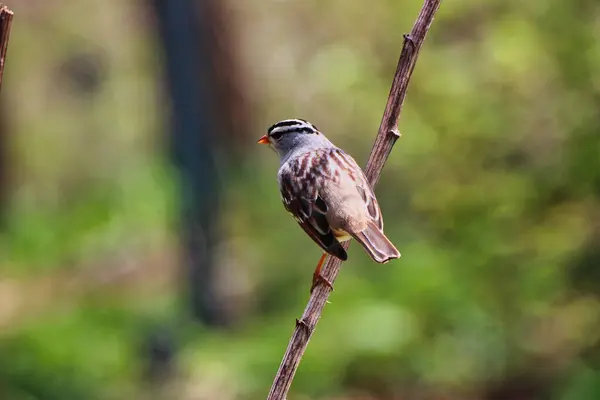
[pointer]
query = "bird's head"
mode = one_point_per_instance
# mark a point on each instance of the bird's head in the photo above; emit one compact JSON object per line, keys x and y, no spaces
{"x":289,"y":134}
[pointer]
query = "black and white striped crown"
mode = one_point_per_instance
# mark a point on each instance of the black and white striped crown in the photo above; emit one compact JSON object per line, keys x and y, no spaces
{"x":292,"y":126}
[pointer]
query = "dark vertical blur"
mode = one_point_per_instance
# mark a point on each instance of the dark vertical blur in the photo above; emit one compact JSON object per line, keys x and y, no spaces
{"x":207,"y":111}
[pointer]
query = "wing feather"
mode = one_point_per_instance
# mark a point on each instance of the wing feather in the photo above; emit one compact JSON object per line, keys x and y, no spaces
{"x":362,"y":185}
{"x":300,"y":197}
{"x":300,"y":180}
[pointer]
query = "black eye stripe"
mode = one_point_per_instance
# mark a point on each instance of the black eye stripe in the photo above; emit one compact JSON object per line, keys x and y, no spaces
{"x":277,"y":135}
{"x":302,"y":130}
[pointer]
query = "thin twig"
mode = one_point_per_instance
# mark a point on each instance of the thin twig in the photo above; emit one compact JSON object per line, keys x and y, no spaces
{"x":386,"y":137}
{"x":5,"y":21}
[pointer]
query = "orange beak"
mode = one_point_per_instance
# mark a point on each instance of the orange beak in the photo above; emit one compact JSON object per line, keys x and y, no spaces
{"x":264,"y":140}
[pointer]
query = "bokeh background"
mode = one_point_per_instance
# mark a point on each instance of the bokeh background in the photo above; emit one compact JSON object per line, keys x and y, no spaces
{"x":144,"y":251}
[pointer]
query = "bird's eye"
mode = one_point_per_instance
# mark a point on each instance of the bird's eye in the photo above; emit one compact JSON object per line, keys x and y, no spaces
{"x":276,"y":135}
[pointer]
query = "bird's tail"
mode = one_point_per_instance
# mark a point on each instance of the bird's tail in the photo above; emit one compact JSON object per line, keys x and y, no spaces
{"x":377,"y":244}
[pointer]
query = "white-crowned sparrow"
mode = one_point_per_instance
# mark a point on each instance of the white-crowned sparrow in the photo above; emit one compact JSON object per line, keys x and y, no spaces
{"x":326,"y":192}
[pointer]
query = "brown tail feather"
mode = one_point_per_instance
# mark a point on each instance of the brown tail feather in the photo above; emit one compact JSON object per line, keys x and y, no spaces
{"x":377,"y":244}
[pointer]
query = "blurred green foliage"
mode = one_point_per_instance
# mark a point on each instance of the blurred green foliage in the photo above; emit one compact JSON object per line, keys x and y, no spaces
{"x":492,"y":196}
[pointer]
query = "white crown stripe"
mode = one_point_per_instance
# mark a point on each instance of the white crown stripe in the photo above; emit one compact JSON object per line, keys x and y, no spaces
{"x":291,"y":125}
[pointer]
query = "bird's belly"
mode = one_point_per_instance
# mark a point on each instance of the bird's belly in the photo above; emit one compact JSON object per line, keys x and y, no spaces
{"x":341,"y":235}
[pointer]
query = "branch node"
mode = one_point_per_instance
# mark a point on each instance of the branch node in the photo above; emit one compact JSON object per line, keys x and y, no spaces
{"x":408,"y":38}
{"x":395,"y":132}
{"x":304,"y":325}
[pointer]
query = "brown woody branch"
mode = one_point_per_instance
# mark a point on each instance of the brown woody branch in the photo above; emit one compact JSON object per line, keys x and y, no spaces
{"x":386,"y":137}
{"x":5,"y":21}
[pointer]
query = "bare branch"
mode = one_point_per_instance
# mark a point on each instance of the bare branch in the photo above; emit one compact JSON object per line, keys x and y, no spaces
{"x":386,"y":137}
{"x":5,"y":22}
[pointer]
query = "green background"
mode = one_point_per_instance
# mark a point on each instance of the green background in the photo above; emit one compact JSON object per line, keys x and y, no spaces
{"x":492,"y":195}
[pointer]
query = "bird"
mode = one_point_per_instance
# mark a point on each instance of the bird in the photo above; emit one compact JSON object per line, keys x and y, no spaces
{"x":327,"y":193}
